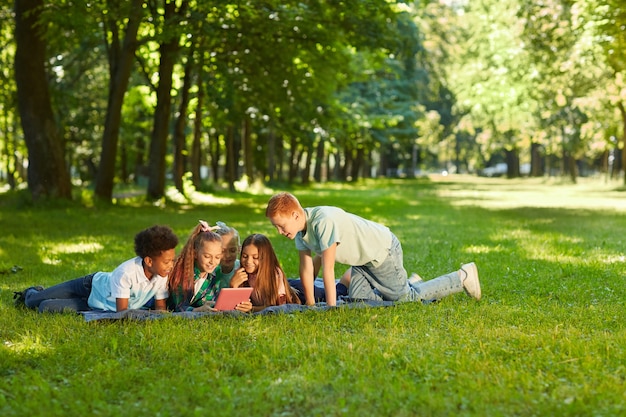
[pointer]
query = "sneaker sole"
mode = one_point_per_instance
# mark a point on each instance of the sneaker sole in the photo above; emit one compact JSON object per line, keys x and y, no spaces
{"x":476,"y":291}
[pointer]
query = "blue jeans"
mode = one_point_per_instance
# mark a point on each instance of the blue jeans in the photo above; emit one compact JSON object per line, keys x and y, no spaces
{"x":318,"y":293}
{"x":386,"y":282}
{"x":70,"y":295}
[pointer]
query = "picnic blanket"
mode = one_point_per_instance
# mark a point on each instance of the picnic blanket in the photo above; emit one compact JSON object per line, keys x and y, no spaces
{"x":95,"y":315}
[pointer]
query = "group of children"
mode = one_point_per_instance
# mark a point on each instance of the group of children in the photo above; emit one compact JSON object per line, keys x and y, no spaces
{"x":158,"y":279}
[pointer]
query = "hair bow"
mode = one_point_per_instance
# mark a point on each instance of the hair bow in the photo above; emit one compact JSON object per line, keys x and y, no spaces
{"x":206,"y":227}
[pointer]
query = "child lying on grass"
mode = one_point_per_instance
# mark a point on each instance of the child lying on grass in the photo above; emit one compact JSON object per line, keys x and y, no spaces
{"x":193,"y":283}
{"x":261,"y":270}
{"x":134,"y":284}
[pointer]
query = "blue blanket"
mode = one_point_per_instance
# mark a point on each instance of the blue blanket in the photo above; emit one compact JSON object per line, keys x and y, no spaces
{"x":95,"y":315}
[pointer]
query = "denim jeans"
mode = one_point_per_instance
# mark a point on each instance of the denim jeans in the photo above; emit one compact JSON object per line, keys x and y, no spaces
{"x":386,"y":282}
{"x":70,"y":295}
{"x":318,"y":293}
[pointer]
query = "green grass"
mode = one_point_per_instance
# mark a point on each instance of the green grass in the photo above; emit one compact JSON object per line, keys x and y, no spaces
{"x":548,"y":338}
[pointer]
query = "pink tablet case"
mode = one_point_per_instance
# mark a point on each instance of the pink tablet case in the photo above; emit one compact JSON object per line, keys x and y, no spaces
{"x":228,"y":298}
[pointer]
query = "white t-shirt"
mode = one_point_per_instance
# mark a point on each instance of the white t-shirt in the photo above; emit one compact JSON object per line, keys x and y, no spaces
{"x":359,"y":241}
{"x":127,"y":281}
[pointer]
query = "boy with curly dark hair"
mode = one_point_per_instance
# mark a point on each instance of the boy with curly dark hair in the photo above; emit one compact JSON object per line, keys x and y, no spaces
{"x":134,"y":284}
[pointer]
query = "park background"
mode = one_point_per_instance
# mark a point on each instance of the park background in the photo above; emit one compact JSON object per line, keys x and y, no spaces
{"x":100,"y":96}
{"x":116,"y":115}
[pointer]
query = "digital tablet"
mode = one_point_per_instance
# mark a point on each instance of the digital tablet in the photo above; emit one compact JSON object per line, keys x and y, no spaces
{"x":228,"y":298}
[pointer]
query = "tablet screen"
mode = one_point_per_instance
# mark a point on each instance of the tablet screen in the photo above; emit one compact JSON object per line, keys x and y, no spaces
{"x":228,"y":298}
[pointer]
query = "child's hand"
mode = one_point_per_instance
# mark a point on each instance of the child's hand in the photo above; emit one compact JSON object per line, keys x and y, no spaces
{"x":244,"y":306}
{"x":239,"y":278}
{"x":204,"y":308}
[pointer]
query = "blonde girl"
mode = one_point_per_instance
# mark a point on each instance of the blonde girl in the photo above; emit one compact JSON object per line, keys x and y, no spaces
{"x":231,"y":245}
{"x":193,"y":285}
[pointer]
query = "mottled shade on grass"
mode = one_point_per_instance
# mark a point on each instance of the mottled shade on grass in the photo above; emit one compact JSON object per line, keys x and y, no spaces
{"x":548,"y":337}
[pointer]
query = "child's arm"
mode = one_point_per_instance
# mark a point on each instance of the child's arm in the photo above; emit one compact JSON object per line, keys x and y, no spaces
{"x":160,"y":304}
{"x":306,"y":276}
{"x":328,"y":265}
{"x":121,"y":304}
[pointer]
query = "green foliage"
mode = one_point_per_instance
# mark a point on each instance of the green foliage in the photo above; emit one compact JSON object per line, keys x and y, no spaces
{"x":547,"y":339}
{"x":422,"y":84}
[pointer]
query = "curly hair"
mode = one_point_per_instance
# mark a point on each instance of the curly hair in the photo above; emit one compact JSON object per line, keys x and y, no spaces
{"x":181,"y":279}
{"x":154,"y":241}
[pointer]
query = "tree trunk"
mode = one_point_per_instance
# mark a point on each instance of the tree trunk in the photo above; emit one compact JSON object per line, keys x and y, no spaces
{"x":347,"y":162}
{"x":536,"y":163}
{"x":214,"y":147}
{"x":304,"y":174}
{"x":247,"y":149}
{"x":512,"y":162}
{"x":280,"y":163}
{"x":357,"y":164}
{"x":47,"y":173}
{"x":179,"y":127}
{"x":319,"y":161}
{"x":367,"y":164}
{"x":10,"y":156}
{"x":120,"y":66}
{"x":231,"y":160}
{"x":572,"y":168}
{"x":271,"y":154}
{"x":196,"y":146}
{"x":622,"y":111}
{"x":294,"y":159}
{"x":158,"y":144}
{"x":337,"y":166}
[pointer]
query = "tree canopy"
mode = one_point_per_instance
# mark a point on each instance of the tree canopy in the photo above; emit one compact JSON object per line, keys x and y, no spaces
{"x":153,"y":92}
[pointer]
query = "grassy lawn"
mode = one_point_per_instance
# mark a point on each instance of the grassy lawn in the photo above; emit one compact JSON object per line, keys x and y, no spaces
{"x":547,"y":339}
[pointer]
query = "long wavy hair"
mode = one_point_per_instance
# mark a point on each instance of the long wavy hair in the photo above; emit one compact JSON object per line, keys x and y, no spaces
{"x":181,"y":279}
{"x":267,"y":285}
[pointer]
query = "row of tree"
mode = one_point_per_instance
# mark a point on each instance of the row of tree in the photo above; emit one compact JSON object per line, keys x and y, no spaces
{"x":300,"y":90}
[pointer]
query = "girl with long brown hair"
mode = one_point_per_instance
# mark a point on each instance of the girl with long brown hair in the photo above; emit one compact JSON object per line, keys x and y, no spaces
{"x":261,"y":270}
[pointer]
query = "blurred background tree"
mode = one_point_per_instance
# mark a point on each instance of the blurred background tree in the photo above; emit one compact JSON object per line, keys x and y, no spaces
{"x":222,"y":95}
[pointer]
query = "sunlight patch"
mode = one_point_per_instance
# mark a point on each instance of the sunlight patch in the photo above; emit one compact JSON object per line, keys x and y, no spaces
{"x":29,"y":344}
{"x":196,"y":197}
{"x":588,"y":193}
{"x":201,"y":198}
{"x":482,"y":249}
{"x":569,"y":239}
{"x":83,"y":247}
{"x":174,"y":195}
{"x":558,"y":259}
{"x":50,"y":261}
{"x":614,"y":259}
{"x":414,"y":217}
{"x":257,"y":187}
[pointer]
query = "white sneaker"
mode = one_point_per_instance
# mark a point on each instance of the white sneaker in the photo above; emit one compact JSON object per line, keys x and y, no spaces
{"x":469,"y":278}
{"x":415,"y":279}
